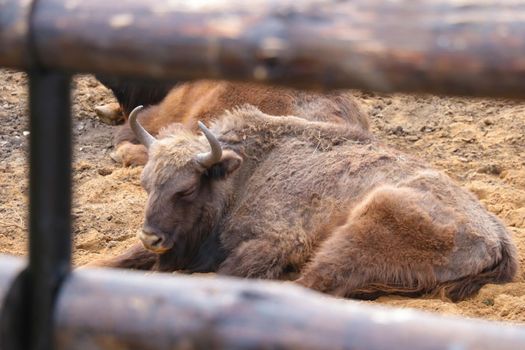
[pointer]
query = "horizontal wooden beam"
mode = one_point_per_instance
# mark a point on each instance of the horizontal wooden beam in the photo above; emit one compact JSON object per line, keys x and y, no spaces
{"x":119,"y":309}
{"x":14,"y":33}
{"x":128,"y":310}
{"x":440,"y":46}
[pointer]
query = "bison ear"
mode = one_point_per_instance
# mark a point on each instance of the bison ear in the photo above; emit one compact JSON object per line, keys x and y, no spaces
{"x":230,"y":161}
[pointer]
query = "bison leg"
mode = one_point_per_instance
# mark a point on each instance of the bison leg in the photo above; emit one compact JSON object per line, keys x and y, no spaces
{"x":256,"y":259}
{"x":128,"y":151}
{"x":136,"y":257}
{"x":129,"y":154}
{"x":396,"y":241}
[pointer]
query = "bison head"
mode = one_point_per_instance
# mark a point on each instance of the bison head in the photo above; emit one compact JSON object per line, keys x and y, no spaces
{"x":188,"y":186}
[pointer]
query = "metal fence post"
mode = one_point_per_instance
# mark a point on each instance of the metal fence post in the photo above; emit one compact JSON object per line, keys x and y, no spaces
{"x":50,"y":199}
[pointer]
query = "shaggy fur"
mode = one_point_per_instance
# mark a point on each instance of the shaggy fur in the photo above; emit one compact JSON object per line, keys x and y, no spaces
{"x":351,"y":216}
{"x":205,"y":100}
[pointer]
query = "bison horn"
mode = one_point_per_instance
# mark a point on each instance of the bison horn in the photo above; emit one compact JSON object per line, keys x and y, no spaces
{"x":144,"y":137}
{"x":210,"y":158}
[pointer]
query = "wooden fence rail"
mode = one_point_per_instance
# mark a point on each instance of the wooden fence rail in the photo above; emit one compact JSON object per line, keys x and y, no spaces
{"x":111,"y":309}
{"x":439,"y":46}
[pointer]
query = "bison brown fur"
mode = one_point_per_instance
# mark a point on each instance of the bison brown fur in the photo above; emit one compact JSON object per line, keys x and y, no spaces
{"x":206,"y":99}
{"x":352,"y":217}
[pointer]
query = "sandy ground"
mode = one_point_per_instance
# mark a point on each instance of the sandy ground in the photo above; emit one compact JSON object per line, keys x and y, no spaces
{"x":478,"y":142}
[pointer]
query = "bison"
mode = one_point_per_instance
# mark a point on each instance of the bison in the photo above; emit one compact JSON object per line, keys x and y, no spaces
{"x":260,"y":196}
{"x":129,"y":94}
{"x":205,"y":99}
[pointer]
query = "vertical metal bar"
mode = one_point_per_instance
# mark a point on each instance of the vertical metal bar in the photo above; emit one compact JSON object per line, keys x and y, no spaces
{"x":50,"y":198}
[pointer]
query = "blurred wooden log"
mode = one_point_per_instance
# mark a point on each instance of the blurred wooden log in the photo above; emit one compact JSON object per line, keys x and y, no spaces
{"x":110,"y":309}
{"x":118,"y":309}
{"x":14,"y":33}
{"x":14,"y":303}
{"x":10,"y":267}
{"x":439,"y":46}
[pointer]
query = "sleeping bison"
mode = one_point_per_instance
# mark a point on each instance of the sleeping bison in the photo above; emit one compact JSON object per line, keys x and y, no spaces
{"x":278,"y":194}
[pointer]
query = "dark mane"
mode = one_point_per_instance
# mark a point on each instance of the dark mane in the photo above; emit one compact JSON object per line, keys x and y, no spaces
{"x":131,"y":93}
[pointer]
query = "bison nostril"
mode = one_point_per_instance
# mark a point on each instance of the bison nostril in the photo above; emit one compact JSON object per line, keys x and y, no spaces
{"x":154,"y":239}
{"x":157,"y":242}
{"x":151,"y":239}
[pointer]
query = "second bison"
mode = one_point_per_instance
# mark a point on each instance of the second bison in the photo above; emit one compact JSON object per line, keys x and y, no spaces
{"x":205,"y":100}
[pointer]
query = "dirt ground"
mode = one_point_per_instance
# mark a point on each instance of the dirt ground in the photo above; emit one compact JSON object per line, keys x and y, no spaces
{"x":478,"y":142}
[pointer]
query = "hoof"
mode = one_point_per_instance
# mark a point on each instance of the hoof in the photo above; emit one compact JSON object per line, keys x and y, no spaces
{"x":110,"y":113}
{"x":115,"y":157}
{"x":129,"y":154}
